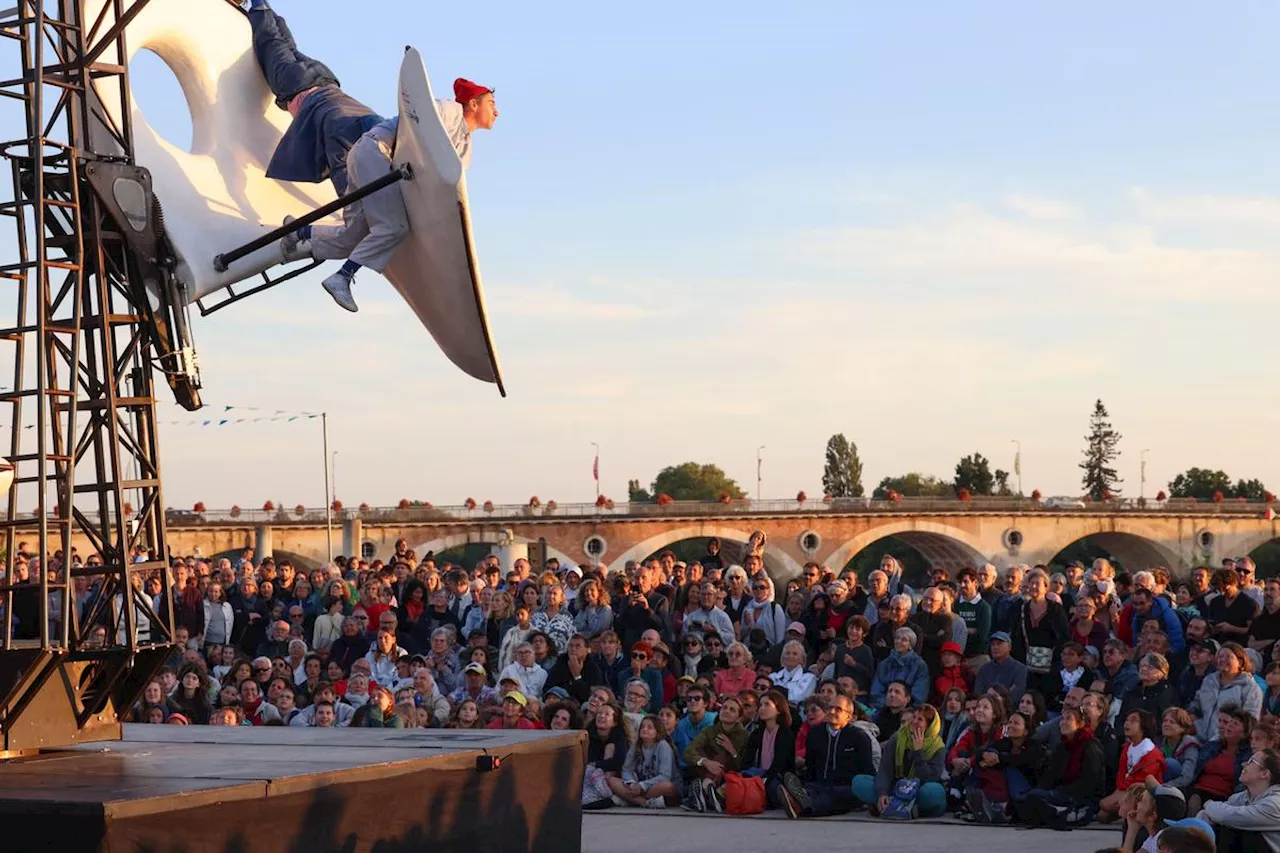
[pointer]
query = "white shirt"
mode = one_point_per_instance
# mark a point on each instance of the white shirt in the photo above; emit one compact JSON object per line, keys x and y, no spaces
{"x":459,"y":134}
{"x":798,"y":683}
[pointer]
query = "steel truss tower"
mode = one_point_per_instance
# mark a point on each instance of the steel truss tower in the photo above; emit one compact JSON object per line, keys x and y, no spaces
{"x":88,"y":276}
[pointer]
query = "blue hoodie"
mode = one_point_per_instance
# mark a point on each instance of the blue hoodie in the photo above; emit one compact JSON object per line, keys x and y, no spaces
{"x":1172,"y":624}
{"x":909,"y":668}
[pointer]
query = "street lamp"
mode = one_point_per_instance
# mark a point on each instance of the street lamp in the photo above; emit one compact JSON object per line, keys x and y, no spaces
{"x":1017,"y":464}
{"x":759,"y":463}
{"x":1142,"y":476}
{"x":595,"y":469}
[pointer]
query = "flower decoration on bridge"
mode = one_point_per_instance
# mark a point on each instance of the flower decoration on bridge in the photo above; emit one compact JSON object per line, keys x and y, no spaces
{"x":534,"y":503}
{"x":403,"y":504}
{"x":895,"y":497}
{"x":1035,"y":495}
{"x":964,"y":495}
{"x":300,"y":509}
{"x":426,"y":505}
{"x":469,"y":503}
{"x":1242,"y":500}
{"x":608,"y":503}
{"x":724,"y":497}
{"x":364,"y":507}
{"x":199,"y":507}
{"x":827,"y":498}
{"x":268,"y":507}
{"x":337,"y":505}
{"x":664,"y":499}
{"x":601,"y":500}
{"x":1268,"y":497}
{"x":488,"y":506}
{"x":1218,"y":497}
{"x":1106,"y":495}
{"x":801,"y":497}
{"x":1161,"y":497}
{"x":235,"y":511}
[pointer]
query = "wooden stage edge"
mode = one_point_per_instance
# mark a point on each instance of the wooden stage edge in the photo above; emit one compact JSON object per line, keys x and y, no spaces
{"x":310,"y":789}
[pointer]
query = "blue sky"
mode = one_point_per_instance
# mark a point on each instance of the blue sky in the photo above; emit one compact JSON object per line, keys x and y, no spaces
{"x":707,"y":227}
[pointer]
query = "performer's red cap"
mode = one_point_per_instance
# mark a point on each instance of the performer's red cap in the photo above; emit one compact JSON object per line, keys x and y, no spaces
{"x":464,"y":90}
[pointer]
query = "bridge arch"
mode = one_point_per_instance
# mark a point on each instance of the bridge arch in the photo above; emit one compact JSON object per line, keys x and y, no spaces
{"x":942,"y":545}
{"x":489,"y":537}
{"x":780,"y":566}
{"x":1131,"y":551}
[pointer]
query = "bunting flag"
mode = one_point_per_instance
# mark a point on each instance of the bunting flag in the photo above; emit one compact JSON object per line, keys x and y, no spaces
{"x":269,"y":416}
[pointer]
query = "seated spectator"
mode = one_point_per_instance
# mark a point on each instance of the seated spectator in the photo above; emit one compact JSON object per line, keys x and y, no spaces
{"x":1071,"y":673}
{"x":1230,"y":684}
{"x":1154,"y":692}
{"x":902,"y":665}
{"x":815,"y":714}
{"x":526,"y":671}
{"x":1140,"y":758}
{"x":512,"y":717}
{"x":897,"y":701}
{"x":771,"y":748}
{"x":954,"y":717}
{"x":1032,"y":705}
{"x":474,"y":686}
{"x":837,"y":753}
{"x":466,"y":715}
{"x":914,"y":752}
{"x":427,"y":695}
{"x":649,"y":773}
{"x":739,"y":676}
{"x":1019,"y":759}
{"x":1221,"y":759}
{"x":378,"y":712}
{"x":563,"y":716}
{"x":1180,"y":747}
{"x":1271,"y":696}
{"x":1002,"y":669}
{"x":636,"y":699}
{"x":575,"y":670}
{"x":953,"y":674}
{"x":1250,"y":820}
{"x":716,"y":750}
{"x":977,"y":784}
{"x":1156,"y":807}
{"x":1073,"y":780}
{"x":1202,"y":656}
{"x":257,"y":710}
{"x":792,"y":678}
{"x":662,"y":663}
{"x":324,"y":694}
{"x":698,"y":717}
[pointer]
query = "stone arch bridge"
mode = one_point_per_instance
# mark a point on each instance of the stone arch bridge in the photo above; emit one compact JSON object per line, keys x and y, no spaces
{"x":949,"y":534}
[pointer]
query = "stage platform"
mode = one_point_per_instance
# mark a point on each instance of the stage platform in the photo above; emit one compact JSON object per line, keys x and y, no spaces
{"x":214,"y":789}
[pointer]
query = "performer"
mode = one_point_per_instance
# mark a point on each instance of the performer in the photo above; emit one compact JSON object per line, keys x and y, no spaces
{"x":335,"y":136}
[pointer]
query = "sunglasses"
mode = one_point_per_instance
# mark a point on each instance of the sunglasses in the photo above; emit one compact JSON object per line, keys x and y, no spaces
{"x":695,"y":699}
{"x":261,"y":669}
{"x":639,"y":656}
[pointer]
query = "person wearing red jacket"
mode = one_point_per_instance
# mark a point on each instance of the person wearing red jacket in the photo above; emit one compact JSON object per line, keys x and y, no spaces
{"x":1139,"y":758}
{"x":953,"y":676}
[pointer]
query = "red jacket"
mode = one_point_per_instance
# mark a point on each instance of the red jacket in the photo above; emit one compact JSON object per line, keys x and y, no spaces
{"x":1124,"y":630}
{"x":1151,"y":764}
{"x":951,"y":678}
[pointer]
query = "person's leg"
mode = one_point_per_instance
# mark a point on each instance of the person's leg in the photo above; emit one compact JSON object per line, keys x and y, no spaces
{"x":931,"y":800}
{"x":864,"y":789}
{"x":288,"y":71}
{"x":384,"y":210}
{"x":821,"y":800}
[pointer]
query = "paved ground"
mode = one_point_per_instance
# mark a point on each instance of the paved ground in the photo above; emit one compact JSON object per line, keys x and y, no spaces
{"x":675,"y":831}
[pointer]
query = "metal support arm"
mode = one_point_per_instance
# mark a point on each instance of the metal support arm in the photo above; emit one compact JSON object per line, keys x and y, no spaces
{"x":225,"y":260}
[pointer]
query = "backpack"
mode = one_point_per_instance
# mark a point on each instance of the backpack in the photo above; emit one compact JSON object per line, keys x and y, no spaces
{"x":743,"y":794}
{"x":902,"y":803}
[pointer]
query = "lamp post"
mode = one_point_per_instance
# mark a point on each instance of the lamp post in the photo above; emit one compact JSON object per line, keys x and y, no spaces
{"x":328,"y":495}
{"x":759,"y":464}
{"x":1142,"y":475}
{"x":334,"y":466}
{"x":595,"y":469}
{"x":1017,"y":464}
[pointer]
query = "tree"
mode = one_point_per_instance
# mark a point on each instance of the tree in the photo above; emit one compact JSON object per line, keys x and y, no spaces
{"x":913,"y":486}
{"x":1199,"y":483}
{"x":1002,"y":484}
{"x":1100,"y":480}
{"x":693,"y":482}
{"x":974,"y":473}
{"x":842,"y":475}
{"x":635,"y":494}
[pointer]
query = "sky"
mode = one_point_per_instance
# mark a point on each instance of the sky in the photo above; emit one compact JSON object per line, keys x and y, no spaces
{"x":708,"y":227}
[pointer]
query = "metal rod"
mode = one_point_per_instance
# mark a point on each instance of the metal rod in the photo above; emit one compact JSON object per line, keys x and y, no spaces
{"x":226,"y":259}
{"x":328,"y":499}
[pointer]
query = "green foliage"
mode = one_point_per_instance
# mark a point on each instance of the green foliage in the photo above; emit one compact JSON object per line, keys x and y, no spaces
{"x":1201,"y":483}
{"x":687,"y":482}
{"x":974,"y":473}
{"x":1100,"y":479}
{"x":913,"y":485}
{"x":842,"y":474}
{"x":1002,"y":484}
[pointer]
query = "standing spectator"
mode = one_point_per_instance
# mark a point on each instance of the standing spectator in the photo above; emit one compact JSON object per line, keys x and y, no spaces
{"x":1264,"y":630}
{"x":1002,"y":669}
{"x":593,"y":611}
{"x":219,"y":619}
{"x":1230,"y":612}
{"x":1038,"y":629}
{"x":763,"y":613}
{"x":554,"y":619}
{"x":933,"y":625}
{"x":837,"y":754}
{"x":976,"y":613}
{"x":708,"y":615}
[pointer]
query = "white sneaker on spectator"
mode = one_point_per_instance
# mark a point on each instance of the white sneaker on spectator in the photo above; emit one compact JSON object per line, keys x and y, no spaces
{"x":655,"y":803}
{"x":339,"y":287}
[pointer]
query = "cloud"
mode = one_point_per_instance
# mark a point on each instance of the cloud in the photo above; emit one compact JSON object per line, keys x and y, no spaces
{"x":1040,"y":208}
{"x":1208,"y":209}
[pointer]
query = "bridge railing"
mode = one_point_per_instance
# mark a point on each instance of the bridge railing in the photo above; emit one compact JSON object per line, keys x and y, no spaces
{"x":426,"y":512}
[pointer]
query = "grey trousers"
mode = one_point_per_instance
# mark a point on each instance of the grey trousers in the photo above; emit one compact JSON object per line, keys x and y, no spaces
{"x":372,"y":228}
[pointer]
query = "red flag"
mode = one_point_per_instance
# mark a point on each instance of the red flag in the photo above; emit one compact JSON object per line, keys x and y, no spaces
{"x":595,"y":468}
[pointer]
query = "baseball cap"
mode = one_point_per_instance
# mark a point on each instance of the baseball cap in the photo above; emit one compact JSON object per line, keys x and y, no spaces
{"x":573,"y":570}
{"x":798,"y":627}
{"x":1194,"y":823}
{"x":1171,"y":804}
{"x":954,"y":648}
{"x":1210,"y":646}
{"x":515,"y":696}
{"x":558,"y":692}
{"x":477,"y":668}
{"x":1002,"y":636}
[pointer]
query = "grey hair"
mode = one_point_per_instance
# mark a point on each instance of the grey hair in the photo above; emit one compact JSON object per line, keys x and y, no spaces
{"x":442,"y":631}
{"x":640,"y":681}
{"x":901,"y":599}
{"x":905,"y":632}
{"x":1144,"y":579}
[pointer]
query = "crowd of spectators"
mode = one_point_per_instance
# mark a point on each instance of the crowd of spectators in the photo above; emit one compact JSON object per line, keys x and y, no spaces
{"x":1037,"y":698}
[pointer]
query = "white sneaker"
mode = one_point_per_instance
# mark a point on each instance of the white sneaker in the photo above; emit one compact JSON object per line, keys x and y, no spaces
{"x":291,"y":248}
{"x":655,"y":803}
{"x":339,"y":287}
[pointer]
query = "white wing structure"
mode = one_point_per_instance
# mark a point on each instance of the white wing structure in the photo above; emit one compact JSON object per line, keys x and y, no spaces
{"x":217,"y":196}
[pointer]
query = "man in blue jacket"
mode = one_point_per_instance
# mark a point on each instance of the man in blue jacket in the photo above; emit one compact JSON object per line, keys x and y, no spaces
{"x":1147,"y":605}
